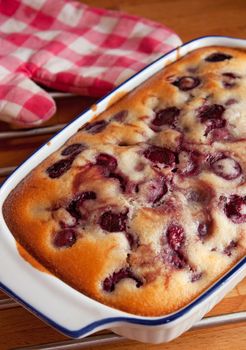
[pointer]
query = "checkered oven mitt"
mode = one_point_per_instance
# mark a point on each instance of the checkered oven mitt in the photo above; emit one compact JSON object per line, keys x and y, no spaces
{"x":69,"y":46}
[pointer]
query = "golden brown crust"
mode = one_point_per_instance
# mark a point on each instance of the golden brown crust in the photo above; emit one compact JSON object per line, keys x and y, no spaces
{"x":153,"y":233}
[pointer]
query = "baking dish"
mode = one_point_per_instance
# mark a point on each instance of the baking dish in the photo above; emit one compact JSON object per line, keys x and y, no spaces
{"x":53,"y":300}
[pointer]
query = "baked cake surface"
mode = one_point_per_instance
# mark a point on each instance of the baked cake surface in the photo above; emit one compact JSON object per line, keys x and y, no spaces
{"x":145,"y":206}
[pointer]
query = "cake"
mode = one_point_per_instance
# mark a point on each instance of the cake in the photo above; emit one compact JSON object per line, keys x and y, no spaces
{"x":144,"y":207}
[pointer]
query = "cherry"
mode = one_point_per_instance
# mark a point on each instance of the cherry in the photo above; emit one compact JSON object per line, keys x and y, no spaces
{"x":218,"y":57}
{"x":160,"y":155}
{"x":235,"y":208}
{"x":187,"y":83}
{"x":107,"y":161}
{"x":167,"y":116}
{"x":229,"y":80}
{"x":75,"y":204}
{"x":109,"y":164}
{"x":110,"y":282}
{"x":230,"y":247}
{"x":65,"y":238}
{"x":212,"y":116}
{"x":219,"y":134}
{"x":209,"y":112}
{"x":175,"y":236}
{"x":59,"y":168}
{"x":226,"y":167}
{"x":73,"y":149}
{"x":120,"y":116}
{"x":96,"y":127}
{"x":215,"y":124}
{"x":113,"y":222}
{"x":204,"y":229}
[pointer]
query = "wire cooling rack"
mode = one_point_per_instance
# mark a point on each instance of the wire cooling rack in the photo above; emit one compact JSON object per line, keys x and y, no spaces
{"x":98,"y":339}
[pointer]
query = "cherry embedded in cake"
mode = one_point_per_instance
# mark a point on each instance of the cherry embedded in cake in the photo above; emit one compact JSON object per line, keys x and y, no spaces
{"x":59,"y":168}
{"x":167,"y":116}
{"x":109,"y":284}
{"x":175,"y":236}
{"x":96,"y":127}
{"x":229,"y":80}
{"x":226,"y":167}
{"x":187,"y":83}
{"x":113,"y":222}
{"x":218,"y":57}
{"x":235,"y":208}
{"x":160,"y":155}
{"x":204,"y":229}
{"x":65,"y":238}
{"x":212,"y":116}
{"x":144,"y":207}
{"x":73,"y":149}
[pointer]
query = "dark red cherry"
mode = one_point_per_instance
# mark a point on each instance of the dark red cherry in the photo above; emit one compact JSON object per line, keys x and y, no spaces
{"x":113,"y":222}
{"x":107,"y":161}
{"x":75,"y":204}
{"x":65,"y":238}
{"x":214,"y":124}
{"x":204,"y":229}
{"x":212,"y":116}
{"x":209,"y":112}
{"x":187,"y":83}
{"x":110,"y":282}
{"x":228,"y":250}
{"x":229,"y":79}
{"x":96,"y":127}
{"x":218,"y":57}
{"x":59,"y":168}
{"x":160,"y":155}
{"x":226,"y":167}
{"x":73,"y":149}
{"x":121,"y":116}
{"x":235,"y":208}
{"x":219,"y":134}
{"x":175,"y":236}
{"x":167,"y":116}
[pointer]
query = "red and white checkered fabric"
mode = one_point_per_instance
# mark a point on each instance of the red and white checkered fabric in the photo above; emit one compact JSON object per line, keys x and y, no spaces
{"x":69,"y":46}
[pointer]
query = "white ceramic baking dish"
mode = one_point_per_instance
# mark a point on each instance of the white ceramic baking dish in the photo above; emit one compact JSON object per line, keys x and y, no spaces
{"x":64,"y":308}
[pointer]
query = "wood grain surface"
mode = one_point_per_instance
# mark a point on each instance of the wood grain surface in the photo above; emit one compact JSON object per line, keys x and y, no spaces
{"x":189,"y":19}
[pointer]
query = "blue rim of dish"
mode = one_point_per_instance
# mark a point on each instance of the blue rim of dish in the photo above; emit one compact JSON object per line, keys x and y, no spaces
{"x":127,"y":319}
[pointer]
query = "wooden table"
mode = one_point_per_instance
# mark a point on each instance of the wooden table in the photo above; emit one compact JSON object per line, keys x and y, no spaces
{"x":190,"y":19}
